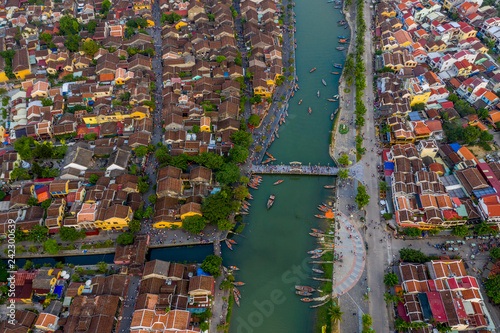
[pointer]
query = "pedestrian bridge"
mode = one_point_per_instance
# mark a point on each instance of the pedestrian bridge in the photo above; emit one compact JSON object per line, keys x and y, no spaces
{"x":295,"y":168}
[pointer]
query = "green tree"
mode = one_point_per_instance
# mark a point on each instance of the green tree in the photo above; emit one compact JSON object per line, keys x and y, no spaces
{"x":391,"y":279}
{"x":225,"y":225}
{"x":38,"y":234}
{"x":228,"y":174}
{"x":343,"y":174}
{"x":72,"y":42}
{"x":71,"y":234}
{"x":46,"y":37}
{"x":483,"y":113}
{"x":492,"y":286}
{"x":126,"y":238}
{"x":411,"y":255}
{"x":152,"y":198}
{"x":238,"y":154}
{"x":220,"y":59}
{"x":93,"y":179}
{"x":194,"y":224}
{"x":460,"y":231}
{"x":28,"y":265}
{"x":102,"y":267}
{"x":483,"y":229}
{"x":91,"y":27}
{"x":367,"y":323}
{"x":19,"y":174}
{"x":211,"y":265}
{"x":362,"y":198}
{"x":32,"y":201}
{"x":141,"y":151}
{"x":218,"y":206}
{"x":495,"y":253}
{"x":134,"y":226}
{"x":418,"y":107}
{"x":90,"y":47}
{"x":335,"y":313}
{"x":106,"y":5}
{"x":142,"y":186}
{"x":254,"y":120}
{"x":343,"y":159}
{"x":90,"y":136}
{"x":485,"y":136}
{"x":50,"y":246}
{"x":68,"y":26}
{"x":240,"y":192}
{"x":23,"y":147}
{"x":412,"y":232}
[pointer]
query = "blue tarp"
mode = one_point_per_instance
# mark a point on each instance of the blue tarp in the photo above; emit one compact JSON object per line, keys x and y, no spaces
{"x":58,"y":290}
{"x":455,"y":147}
{"x":389,"y":165}
{"x":201,"y":272}
{"x":414,"y":116}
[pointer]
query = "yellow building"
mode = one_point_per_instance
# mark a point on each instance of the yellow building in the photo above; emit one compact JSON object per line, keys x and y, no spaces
{"x":180,"y":24}
{"x":21,"y":64}
{"x":417,"y":94}
{"x":164,"y":223}
{"x":136,"y":113}
{"x":205,"y":124}
{"x":116,"y":217}
{"x":190,"y":209}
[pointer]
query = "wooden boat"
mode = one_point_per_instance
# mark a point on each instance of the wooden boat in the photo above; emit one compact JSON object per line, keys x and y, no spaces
{"x":315,"y":234}
{"x":343,"y":41}
{"x":329,"y":245}
{"x":319,"y":271}
{"x":305,"y":288}
{"x":337,"y":65}
{"x":300,"y":102}
{"x":336,"y":96}
{"x":337,"y":7}
{"x":237,"y":292}
{"x":243,"y":213}
{"x":310,"y":110}
{"x":314,"y":251}
{"x":293,"y":93}
{"x":307,"y":299}
{"x":341,"y":37}
{"x":332,"y":100}
{"x":318,"y":93}
{"x":229,"y":245}
{"x":267,"y":161}
{"x":324,"y":82}
{"x":278,"y":182}
{"x":249,"y":196}
{"x":316,"y":256}
{"x":329,"y":186}
{"x":271,"y":156}
{"x":320,"y":216}
{"x":340,"y":48}
{"x":336,"y":73}
{"x":317,"y":230}
{"x":238,"y":283}
{"x":302,"y":293}
{"x":270,"y":201}
{"x":232,"y":241}
{"x":234,"y":268}
{"x":312,"y":70}
{"x":236,"y":300}
{"x":254,"y":187}
{"x":331,"y":116}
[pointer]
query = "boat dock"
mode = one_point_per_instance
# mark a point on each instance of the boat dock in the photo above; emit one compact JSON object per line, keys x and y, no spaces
{"x":295,"y":168}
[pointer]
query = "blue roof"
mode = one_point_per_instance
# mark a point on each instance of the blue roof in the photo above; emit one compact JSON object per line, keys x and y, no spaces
{"x":455,"y":147}
{"x":414,"y":116}
{"x":201,"y":272}
{"x":389,"y":165}
{"x":480,"y":193}
{"x":58,"y":290}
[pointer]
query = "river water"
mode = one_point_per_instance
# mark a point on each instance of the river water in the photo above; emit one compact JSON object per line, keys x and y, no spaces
{"x":271,"y":253}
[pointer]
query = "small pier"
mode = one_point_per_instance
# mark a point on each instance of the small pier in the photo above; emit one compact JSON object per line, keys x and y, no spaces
{"x":295,"y":168}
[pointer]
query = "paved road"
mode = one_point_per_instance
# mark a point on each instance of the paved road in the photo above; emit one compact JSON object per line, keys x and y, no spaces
{"x":129,"y":304}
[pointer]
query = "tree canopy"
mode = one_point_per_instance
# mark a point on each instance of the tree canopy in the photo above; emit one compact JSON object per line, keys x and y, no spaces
{"x":228,"y":174}
{"x":362,"y":198}
{"x":391,"y":279}
{"x":51,"y":246}
{"x":238,"y":154}
{"x":411,"y":255}
{"x":492,"y":286}
{"x":71,"y":234}
{"x":254,"y":120}
{"x":194,"y":224}
{"x":218,"y":206}
{"x":126,"y":238}
{"x":242,"y":138}
{"x":211,"y":265}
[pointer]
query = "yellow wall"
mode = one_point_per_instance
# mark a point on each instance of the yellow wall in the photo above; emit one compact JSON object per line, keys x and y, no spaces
{"x":22,"y":74}
{"x":166,"y":224}
{"x":183,"y":216}
{"x":3,"y":77}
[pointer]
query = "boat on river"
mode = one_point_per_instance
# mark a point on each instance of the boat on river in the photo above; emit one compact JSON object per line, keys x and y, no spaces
{"x":335,"y":73}
{"x":234,"y":268}
{"x":332,"y":100}
{"x":343,"y":41}
{"x":305,"y":288}
{"x":278,"y":182}
{"x":271,"y":156}
{"x":337,"y":7}
{"x":317,"y":230}
{"x":329,"y":186}
{"x":318,"y":93}
{"x":320,"y":216}
{"x":315,"y":251}
{"x":310,"y":110}
{"x":253,"y":187}
{"x":232,"y":241}
{"x":229,"y":245}
{"x":342,"y":22}
{"x":302,"y":293}
{"x":312,"y":70}
{"x":315,"y":234}
{"x":236,"y":299}
{"x":238,"y":283}
{"x":319,"y":271}
{"x":331,"y":116}
{"x":267,"y":161}
{"x":341,"y":37}
{"x":340,"y":48}
{"x":249,"y":196}
{"x":337,"y":65}
{"x":324,"y":82}
{"x":336,"y":96}
{"x":300,"y":102}
{"x":329,"y":245}
{"x":270,"y":201}
{"x":316,"y":256}
{"x":307,"y":299}
{"x":237,"y":292}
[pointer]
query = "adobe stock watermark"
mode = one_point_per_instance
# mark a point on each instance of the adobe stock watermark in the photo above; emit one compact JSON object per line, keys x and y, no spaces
{"x":265,"y":308}
{"x":11,"y":264}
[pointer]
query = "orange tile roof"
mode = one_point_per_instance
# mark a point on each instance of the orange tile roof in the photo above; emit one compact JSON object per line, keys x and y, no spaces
{"x":490,"y":96}
{"x":466,"y":153}
{"x":106,"y":77}
{"x":495,"y":116}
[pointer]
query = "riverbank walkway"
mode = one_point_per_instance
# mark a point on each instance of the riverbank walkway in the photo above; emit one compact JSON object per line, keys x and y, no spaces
{"x":350,"y":246}
{"x":316,"y":170}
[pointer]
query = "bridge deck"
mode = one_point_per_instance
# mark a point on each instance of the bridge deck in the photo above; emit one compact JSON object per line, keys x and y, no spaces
{"x":295,"y":170}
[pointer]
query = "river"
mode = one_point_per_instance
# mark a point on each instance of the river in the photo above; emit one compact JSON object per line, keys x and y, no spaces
{"x":271,"y":253}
